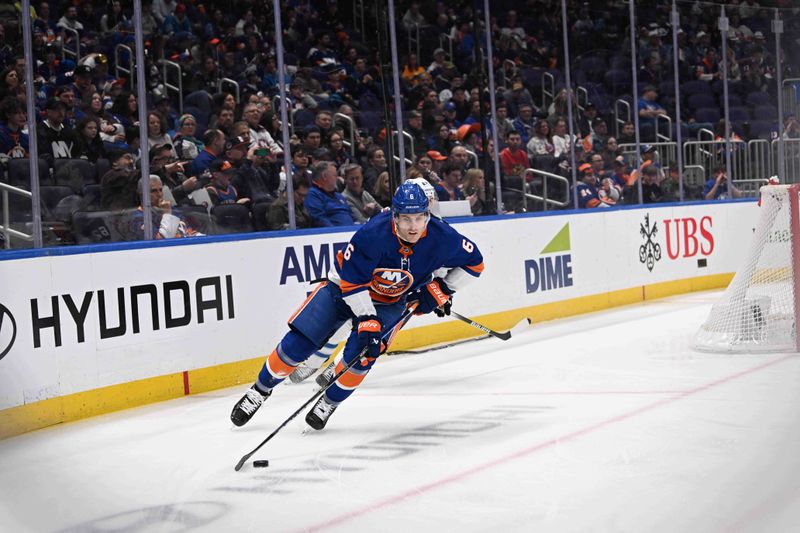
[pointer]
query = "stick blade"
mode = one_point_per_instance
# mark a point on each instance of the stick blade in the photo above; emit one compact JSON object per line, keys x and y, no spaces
{"x":241,"y":462}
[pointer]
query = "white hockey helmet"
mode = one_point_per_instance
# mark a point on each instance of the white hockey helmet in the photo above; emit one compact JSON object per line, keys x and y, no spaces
{"x":427,"y":188}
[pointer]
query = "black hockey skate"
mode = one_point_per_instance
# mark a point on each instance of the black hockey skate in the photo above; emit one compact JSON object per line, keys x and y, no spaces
{"x":245,"y":408}
{"x":319,"y":415}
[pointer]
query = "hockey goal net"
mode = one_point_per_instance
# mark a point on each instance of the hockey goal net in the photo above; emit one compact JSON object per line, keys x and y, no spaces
{"x":758,"y":311}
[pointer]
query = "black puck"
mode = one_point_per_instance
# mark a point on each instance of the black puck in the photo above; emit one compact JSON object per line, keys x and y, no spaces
{"x":261,"y":464}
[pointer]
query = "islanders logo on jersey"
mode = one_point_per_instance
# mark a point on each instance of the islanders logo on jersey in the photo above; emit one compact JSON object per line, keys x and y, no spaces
{"x":391,"y":282}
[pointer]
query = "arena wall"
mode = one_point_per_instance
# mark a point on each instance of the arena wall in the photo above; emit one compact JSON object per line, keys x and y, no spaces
{"x":89,"y":330}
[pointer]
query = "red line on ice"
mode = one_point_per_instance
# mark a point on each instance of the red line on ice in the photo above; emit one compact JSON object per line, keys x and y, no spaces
{"x":428,"y":487}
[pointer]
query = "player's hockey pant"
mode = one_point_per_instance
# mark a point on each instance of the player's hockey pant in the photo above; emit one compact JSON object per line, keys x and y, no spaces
{"x":320,"y":316}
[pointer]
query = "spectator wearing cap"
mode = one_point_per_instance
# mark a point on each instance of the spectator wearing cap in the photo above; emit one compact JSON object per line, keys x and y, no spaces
{"x":278,"y":213}
{"x":586,"y":119}
{"x":13,"y":141}
{"x":187,"y":145}
{"x":157,"y":131}
{"x":55,"y":140}
{"x":82,"y":85}
{"x":437,"y":160}
{"x":436,"y":67}
{"x":66,"y":94}
{"x":517,"y":96}
{"x":450,"y":119}
{"x":177,"y":25}
{"x":649,"y":109}
{"x":588,"y":192}
{"x":236,"y":149}
{"x":326,"y":206}
{"x":220,"y":190}
{"x":362,"y":205}
{"x":414,"y":128}
{"x":167,"y":222}
{"x":118,"y":184}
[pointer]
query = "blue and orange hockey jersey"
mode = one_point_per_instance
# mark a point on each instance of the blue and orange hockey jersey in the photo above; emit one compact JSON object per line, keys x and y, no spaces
{"x":376,"y":260}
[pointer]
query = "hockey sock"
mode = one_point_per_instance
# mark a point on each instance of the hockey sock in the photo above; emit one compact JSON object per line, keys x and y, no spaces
{"x":293,"y":349}
{"x":320,"y":356}
{"x":348,"y":382}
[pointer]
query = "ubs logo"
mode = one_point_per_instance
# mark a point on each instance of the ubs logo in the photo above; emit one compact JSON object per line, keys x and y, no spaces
{"x":8,"y":330}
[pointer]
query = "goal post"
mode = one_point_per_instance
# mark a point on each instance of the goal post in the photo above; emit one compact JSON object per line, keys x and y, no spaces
{"x":758,"y":310}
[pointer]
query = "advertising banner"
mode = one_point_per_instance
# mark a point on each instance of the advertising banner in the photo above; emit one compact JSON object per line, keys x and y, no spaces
{"x":74,"y":323}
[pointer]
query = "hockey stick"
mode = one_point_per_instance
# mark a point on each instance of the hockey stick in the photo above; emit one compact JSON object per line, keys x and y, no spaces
{"x":502,"y":336}
{"x":402,"y":320}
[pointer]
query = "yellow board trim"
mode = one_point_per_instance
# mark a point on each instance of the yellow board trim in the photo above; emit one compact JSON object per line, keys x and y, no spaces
{"x":37,"y":415}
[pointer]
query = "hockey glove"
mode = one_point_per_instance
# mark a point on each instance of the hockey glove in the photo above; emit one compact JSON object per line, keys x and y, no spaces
{"x":369,"y":335}
{"x":435,"y":296}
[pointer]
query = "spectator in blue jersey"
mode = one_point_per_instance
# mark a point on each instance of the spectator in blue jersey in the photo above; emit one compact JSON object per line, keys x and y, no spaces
{"x":649,"y":109}
{"x":326,"y":206}
{"x":524,"y":123}
{"x":588,"y":193}
{"x":220,"y":189}
{"x":213,"y":148}
{"x":13,"y":141}
{"x":719,"y":187}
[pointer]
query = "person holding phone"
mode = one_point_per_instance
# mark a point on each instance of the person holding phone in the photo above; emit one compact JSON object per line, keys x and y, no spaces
{"x":256,"y":178}
{"x":173,"y":173}
{"x":719,"y":187}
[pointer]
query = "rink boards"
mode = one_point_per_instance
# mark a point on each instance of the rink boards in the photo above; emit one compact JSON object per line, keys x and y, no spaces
{"x":85,"y":331}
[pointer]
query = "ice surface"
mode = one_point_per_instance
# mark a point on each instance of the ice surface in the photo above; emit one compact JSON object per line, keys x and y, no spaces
{"x":606,"y":422}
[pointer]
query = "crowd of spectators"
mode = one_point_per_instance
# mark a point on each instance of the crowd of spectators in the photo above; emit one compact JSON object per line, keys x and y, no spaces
{"x":224,"y":153}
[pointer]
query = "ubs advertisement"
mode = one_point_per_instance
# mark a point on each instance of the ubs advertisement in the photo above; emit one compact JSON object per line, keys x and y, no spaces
{"x":80,"y":322}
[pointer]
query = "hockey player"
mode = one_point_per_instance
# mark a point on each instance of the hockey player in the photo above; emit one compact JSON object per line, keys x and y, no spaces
{"x":316,"y":360}
{"x":387,"y":264}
